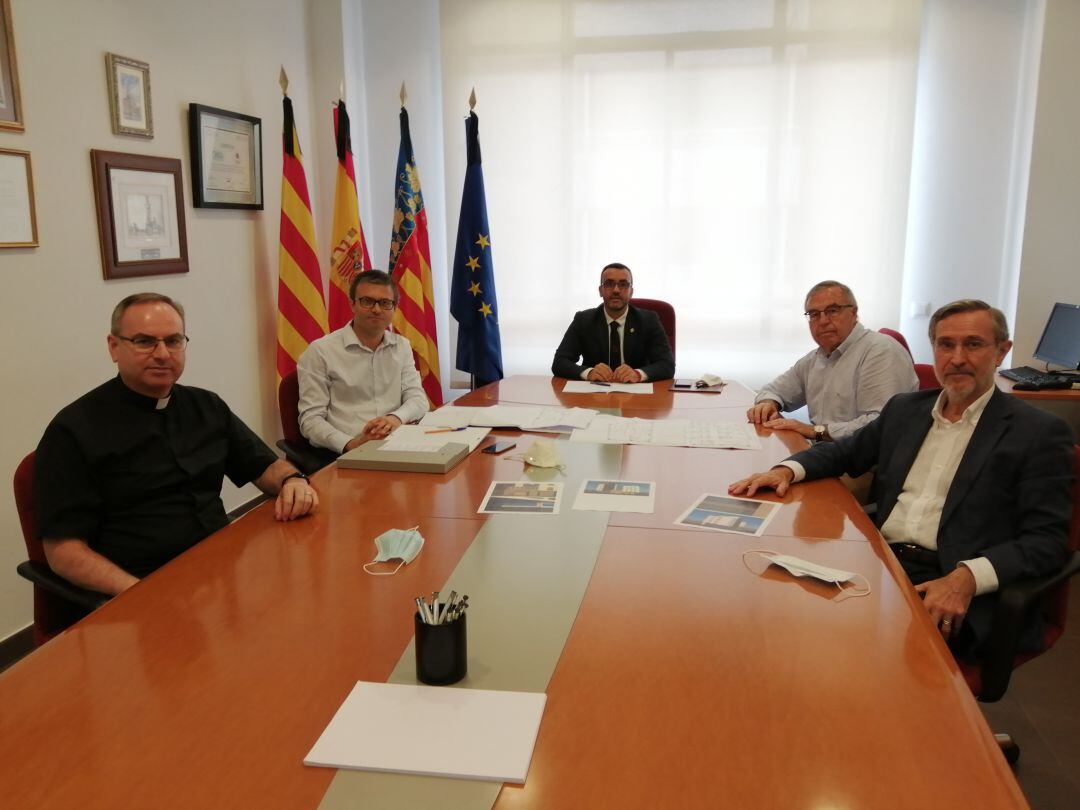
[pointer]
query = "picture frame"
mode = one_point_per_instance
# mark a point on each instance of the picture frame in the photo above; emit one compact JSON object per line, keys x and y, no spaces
{"x":129,"y":96}
{"x":10,"y":103}
{"x":140,"y":212}
{"x":226,"y":158}
{"x":18,"y":218}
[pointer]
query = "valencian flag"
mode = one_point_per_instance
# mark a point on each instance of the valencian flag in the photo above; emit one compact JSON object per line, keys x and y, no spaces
{"x":472,"y":293}
{"x":410,"y":266}
{"x":301,"y":306}
{"x":349,"y":251}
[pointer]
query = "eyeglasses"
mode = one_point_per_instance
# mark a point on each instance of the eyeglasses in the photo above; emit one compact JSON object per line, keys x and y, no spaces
{"x":832,"y":311}
{"x":385,"y":304}
{"x":144,"y":344}
{"x":971,"y":345}
{"x":611,"y":284}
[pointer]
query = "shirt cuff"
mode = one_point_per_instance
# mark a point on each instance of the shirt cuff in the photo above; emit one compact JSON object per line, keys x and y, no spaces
{"x":585,"y":373}
{"x":642,"y":374}
{"x":796,"y":468}
{"x":982,"y":570}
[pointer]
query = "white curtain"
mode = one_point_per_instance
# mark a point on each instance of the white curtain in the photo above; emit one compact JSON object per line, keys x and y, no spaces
{"x":731,"y":152}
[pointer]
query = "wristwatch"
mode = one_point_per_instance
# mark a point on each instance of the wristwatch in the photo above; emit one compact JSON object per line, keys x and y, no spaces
{"x":821,"y":433}
{"x":299,"y":475}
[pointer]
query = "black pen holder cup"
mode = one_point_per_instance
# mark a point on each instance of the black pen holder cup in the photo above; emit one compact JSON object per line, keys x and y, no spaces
{"x":442,"y":655}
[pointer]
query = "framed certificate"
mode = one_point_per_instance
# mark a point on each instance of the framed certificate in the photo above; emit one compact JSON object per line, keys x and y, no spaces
{"x":226,"y":158}
{"x":18,"y":223}
{"x":10,"y":112}
{"x":140,"y":212}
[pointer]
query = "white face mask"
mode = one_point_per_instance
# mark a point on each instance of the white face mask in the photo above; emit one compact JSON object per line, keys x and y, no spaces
{"x":798,"y":567}
{"x":543,"y":454}
{"x":396,"y":544}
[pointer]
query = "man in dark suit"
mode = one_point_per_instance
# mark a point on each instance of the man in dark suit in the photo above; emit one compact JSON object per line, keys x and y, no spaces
{"x":616,"y":342}
{"x":972,"y":484}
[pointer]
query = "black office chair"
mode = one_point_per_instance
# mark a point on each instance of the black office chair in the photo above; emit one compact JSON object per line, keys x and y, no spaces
{"x":1001,"y":654}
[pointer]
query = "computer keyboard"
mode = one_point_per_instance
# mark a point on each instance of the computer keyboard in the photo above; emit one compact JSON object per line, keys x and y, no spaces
{"x":1038,"y":380}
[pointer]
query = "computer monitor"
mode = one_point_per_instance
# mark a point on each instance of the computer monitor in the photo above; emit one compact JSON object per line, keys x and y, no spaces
{"x":1060,"y":341}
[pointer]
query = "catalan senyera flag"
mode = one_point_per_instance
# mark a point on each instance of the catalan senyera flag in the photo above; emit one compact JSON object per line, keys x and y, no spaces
{"x":410,"y":266}
{"x":348,"y":252}
{"x":301,"y":306}
{"x":472,"y":291}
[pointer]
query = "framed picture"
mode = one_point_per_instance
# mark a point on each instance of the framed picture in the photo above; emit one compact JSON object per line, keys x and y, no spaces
{"x":18,"y":222}
{"x":10,"y":111}
{"x":226,"y":158}
{"x":129,"y":96}
{"x":140,"y":212}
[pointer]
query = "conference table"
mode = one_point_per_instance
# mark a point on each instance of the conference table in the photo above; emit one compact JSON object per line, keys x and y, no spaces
{"x":676,"y":675}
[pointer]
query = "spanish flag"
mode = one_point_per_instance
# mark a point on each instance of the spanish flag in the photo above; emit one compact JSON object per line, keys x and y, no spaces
{"x":410,"y":266}
{"x":301,"y":306}
{"x":349,"y":252}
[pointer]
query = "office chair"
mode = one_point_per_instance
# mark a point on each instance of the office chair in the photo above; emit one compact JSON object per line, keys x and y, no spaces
{"x":299,"y":451}
{"x":57,"y":603}
{"x":924,"y":371}
{"x":899,"y":339}
{"x":989,"y":678}
{"x":664,"y":311}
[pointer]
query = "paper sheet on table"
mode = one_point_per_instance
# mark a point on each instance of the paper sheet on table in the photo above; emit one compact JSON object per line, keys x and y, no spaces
{"x":616,"y":496}
{"x":432,"y":731}
{"x":523,"y":417}
{"x":585,"y":387}
{"x":418,"y":439}
{"x":724,"y":513}
{"x":605,"y":429}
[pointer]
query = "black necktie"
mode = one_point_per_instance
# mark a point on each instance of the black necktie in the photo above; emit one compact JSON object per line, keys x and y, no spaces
{"x":615,"y":351}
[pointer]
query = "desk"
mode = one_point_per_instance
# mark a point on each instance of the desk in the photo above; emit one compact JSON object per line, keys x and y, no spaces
{"x":685,"y":681}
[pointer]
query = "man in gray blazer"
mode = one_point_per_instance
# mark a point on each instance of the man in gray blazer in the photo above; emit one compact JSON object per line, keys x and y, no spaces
{"x":615,"y":342}
{"x":972,"y":484}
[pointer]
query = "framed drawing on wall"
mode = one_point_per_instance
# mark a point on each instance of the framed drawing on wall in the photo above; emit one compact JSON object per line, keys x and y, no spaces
{"x":140,"y":212}
{"x":226,"y":158}
{"x":129,"y":96}
{"x":18,"y":222}
{"x":10,"y":110}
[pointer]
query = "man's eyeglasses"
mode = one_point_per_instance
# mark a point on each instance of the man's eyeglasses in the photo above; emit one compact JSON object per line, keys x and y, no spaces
{"x":832,"y":311}
{"x":611,"y":284}
{"x":144,"y":344}
{"x":385,"y":304}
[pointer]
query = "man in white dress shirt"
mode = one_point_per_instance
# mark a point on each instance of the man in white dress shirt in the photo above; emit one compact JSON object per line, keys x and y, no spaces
{"x":972,"y":483}
{"x":360,"y":382}
{"x":846,"y":381}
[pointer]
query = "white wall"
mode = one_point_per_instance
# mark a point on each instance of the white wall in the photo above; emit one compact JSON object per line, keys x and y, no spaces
{"x":1050,"y":263}
{"x":978,"y":66}
{"x":55,"y":305}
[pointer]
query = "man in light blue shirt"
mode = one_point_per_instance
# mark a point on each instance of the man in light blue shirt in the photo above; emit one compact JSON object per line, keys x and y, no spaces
{"x":846,"y":381}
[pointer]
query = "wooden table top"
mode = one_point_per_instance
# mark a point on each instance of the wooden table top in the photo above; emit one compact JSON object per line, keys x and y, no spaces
{"x":687,"y":680}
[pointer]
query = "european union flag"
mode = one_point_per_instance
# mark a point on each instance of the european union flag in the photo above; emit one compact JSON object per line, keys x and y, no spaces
{"x":472,"y":293}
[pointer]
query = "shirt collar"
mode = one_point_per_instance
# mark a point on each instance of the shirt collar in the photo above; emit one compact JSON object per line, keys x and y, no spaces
{"x":971,"y":414}
{"x":388,"y":338}
{"x":621,"y":320}
{"x":857,"y":332}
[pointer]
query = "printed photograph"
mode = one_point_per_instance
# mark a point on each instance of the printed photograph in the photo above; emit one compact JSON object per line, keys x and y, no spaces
{"x":639,"y":488}
{"x":726,"y":514}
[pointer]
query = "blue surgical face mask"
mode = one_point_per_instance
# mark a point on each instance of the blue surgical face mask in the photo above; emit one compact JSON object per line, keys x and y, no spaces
{"x":396,"y":544}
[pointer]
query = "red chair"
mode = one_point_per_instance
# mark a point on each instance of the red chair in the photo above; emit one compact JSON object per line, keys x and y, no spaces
{"x":664,"y":311}
{"x":57,"y":603}
{"x":1001,"y":654}
{"x":924,"y":371}
{"x":299,"y":451}
{"x":899,"y":339}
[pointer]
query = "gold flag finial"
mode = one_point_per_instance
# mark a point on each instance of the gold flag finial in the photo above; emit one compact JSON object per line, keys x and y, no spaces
{"x":283,"y":80}
{"x":403,"y":95}
{"x":472,"y":100}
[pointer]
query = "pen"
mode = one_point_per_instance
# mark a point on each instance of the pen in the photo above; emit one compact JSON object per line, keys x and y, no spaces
{"x":443,"y":430}
{"x":606,"y":385}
